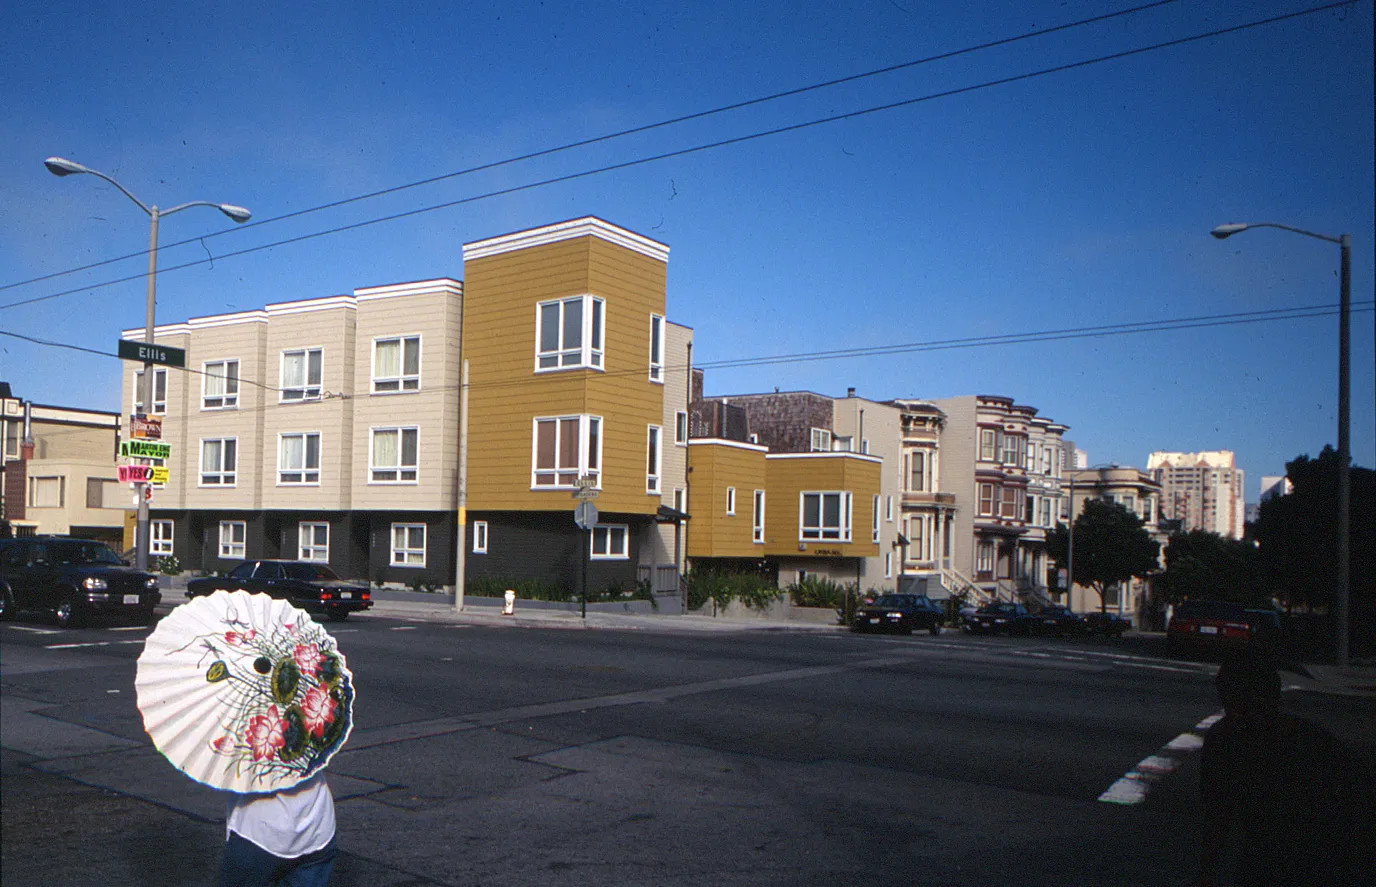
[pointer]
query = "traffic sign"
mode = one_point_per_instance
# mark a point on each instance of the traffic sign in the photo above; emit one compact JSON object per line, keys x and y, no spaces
{"x":144,"y":352}
{"x":142,"y":449}
{"x":585,"y":515}
{"x":586,"y":495}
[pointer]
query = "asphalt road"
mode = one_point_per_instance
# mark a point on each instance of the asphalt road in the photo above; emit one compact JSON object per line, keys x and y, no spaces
{"x":506,"y":756}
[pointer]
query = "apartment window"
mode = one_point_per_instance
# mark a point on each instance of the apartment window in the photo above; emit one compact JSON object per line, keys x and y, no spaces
{"x":821,"y":440}
{"x":1130,"y":503}
{"x":232,"y":535}
{"x":1010,"y":509}
{"x":480,"y":537}
{"x":757,"y":522}
{"x":888,"y":509}
{"x":395,"y":455}
{"x":652,"y":459}
{"x":220,"y":385}
{"x":988,"y":444}
{"x":566,"y":448}
{"x":681,"y":428}
{"x":984,"y":557}
{"x":218,"y":459}
{"x":313,"y":540}
{"x":160,"y":537}
{"x":680,"y":500}
{"x":986,"y":500}
{"x":874,"y":521}
{"x":298,"y":458}
{"x":47,"y":492}
{"x":408,"y":545}
{"x":656,"y":348}
{"x":730,"y":500}
{"x":609,"y":542}
{"x":1046,"y":460}
{"x":1030,"y":457}
{"x":825,"y":516}
{"x":917,"y":472}
{"x":396,"y":364}
{"x":1029,"y":513}
{"x":1045,"y":512}
{"x":100,"y":490}
{"x":888,"y":565}
{"x":569,"y":333}
{"x":841,"y":444}
{"x":159,"y":392}
{"x":1013,"y":449}
{"x":301,"y":371}
{"x":917,"y":538}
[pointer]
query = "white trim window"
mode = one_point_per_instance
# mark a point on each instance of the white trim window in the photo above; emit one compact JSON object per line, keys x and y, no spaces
{"x":13,"y":429}
{"x":988,"y":444}
{"x":821,"y":440}
{"x":824,"y":516}
{"x":569,"y":334}
{"x":917,"y":472}
{"x":47,"y":492}
{"x":480,"y":537}
{"x":298,"y":458}
{"x":874,"y":522}
{"x":160,"y":537}
{"x":757,"y":528}
{"x":657,"y":348}
{"x":159,"y":392}
{"x":564,"y":448}
{"x":219,"y":457}
{"x":610,"y":542}
{"x":984,"y":557}
{"x":731,"y":500}
{"x":220,"y":385}
{"x":680,"y":500}
{"x":888,"y":509}
{"x":986,"y":499}
{"x":396,"y":364}
{"x":408,"y":545}
{"x":301,"y":375}
{"x":313,"y":541}
{"x":917,"y":539}
{"x":888,"y":565}
{"x":232,"y":536}
{"x":393,"y":456}
{"x":681,"y":428}
{"x":654,"y":458}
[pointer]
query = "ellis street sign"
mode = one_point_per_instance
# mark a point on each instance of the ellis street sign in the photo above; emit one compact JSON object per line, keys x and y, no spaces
{"x":143,"y":352}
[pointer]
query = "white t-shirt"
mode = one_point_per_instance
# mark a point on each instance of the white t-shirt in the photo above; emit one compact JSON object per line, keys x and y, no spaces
{"x":288,"y":823}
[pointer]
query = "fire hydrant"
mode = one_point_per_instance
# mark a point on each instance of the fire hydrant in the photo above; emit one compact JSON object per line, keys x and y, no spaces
{"x":509,"y":608}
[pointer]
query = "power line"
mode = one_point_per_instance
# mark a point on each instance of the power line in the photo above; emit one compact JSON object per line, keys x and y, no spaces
{"x":545,"y":152}
{"x":1180,"y":41}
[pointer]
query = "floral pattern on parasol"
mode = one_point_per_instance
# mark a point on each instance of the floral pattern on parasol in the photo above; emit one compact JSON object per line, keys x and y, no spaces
{"x":244,"y":692}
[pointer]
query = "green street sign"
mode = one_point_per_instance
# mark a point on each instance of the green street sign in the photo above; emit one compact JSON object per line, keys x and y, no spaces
{"x":146,"y":353}
{"x":144,"y":449}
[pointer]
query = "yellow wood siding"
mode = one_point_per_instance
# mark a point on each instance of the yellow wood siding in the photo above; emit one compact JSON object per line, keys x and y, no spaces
{"x":789,"y":476}
{"x":717,"y":466}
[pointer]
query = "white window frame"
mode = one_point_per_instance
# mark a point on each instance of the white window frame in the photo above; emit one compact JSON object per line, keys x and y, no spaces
{"x":888,"y":565}
{"x":820,"y":441}
{"x":308,"y":389}
{"x":307,"y":546}
{"x":407,"y":554}
{"x":731,"y":500}
{"x":603,"y":548}
{"x":403,"y":473}
{"x":984,"y":556}
{"x":232,"y":548}
{"x":564,"y":477}
{"x":480,"y":537}
{"x":757,"y":519}
{"x":305,"y":475}
{"x":988,"y":445}
{"x":654,"y":458}
{"x":917,"y":539}
{"x":918,"y":458}
{"x":589,"y":352}
{"x":223,"y":474}
{"x":160,"y":537}
{"x":681,"y":428}
{"x":59,"y":483}
{"x":402,"y":382}
{"x":993,"y":500}
{"x":822,"y":532}
{"x":680,"y":500}
{"x":159,"y":381}
{"x":228,"y":399}
{"x":657,"y":349}
{"x":874,"y":527}
{"x":13,"y":430}
{"x":888,"y":509}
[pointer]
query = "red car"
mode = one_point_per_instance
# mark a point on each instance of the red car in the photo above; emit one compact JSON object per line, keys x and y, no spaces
{"x":1208,"y":625}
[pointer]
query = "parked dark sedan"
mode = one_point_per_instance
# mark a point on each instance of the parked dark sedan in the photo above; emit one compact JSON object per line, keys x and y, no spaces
{"x":1109,"y":625}
{"x":899,"y":612}
{"x":74,"y":578}
{"x":312,"y":587}
{"x":1053,"y":619}
{"x":997,"y":618}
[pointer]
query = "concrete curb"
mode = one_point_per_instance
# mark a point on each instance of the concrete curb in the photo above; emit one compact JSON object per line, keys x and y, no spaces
{"x":539,"y":618}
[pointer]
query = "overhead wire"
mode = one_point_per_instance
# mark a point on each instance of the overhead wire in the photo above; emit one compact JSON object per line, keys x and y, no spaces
{"x":515,"y":189}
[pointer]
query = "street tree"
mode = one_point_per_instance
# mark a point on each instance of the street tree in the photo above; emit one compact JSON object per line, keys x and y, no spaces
{"x":1111,"y":547}
{"x":1204,"y":564}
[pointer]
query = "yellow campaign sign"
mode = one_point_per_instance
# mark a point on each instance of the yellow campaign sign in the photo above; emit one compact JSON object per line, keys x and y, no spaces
{"x":159,"y":474}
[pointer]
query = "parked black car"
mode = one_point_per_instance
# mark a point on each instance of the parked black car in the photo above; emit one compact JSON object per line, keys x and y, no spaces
{"x":997,"y":618}
{"x":74,"y":578}
{"x":899,"y":612}
{"x":1109,"y":625}
{"x":1053,"y":619}
{"x":312,"y":587}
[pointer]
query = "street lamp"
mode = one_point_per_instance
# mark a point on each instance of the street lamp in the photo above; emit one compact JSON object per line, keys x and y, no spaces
{"x":1344,"y":418}
{"x":61,"y":167}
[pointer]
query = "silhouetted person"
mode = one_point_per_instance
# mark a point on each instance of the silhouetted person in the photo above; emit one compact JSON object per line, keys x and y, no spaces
{"x":1305,"y":804}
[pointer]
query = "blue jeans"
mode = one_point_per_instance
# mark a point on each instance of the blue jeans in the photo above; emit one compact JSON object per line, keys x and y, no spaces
{"x":248,"y":865}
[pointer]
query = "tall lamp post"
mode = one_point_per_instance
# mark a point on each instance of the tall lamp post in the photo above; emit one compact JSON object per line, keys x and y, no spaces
{"x":1344,"y":417}
{"x":60,"y":167}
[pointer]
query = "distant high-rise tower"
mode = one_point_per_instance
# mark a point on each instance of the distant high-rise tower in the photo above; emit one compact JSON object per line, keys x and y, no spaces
{"x":1201,"y":490}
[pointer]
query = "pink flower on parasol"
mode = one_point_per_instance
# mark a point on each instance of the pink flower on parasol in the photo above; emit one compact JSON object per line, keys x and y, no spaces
{"x":308,"y":658}
{"x":317,"y":710}
{"x":266,"y":734}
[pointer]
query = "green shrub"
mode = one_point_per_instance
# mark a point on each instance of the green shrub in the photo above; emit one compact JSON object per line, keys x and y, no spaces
{"x":752,"y":589}
{"x":168,"y":565}
{"x":818,"y":591}
{"x":526,"y":589}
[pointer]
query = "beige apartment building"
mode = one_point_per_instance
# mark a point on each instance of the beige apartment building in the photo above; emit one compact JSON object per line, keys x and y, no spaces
{"x":1203,"y":491}
{"x":1138,"y":492}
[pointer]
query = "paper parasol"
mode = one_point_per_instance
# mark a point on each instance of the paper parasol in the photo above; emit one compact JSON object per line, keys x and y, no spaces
{"x":244,"y":692}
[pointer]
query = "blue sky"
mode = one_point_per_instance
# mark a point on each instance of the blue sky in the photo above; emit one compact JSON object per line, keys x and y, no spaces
{"x":1078,"y":198}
